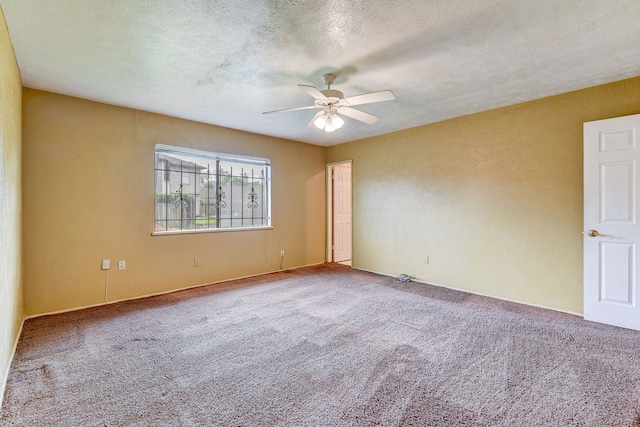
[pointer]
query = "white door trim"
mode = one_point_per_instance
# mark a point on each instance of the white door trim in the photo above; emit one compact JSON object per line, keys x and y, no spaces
{"x":329,"y":190}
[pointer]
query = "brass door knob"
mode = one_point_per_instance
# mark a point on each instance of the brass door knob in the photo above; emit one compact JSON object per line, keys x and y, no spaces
{"x":594,"y":233}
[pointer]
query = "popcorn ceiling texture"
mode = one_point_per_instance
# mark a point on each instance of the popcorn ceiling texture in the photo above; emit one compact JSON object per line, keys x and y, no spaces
{"x":322,"y":346}
{"x":225,"y":62}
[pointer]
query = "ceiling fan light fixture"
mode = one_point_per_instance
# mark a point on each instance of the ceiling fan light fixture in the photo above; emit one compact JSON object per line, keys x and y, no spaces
{"x":320,"y":121}
{"x":336,"y":122}
{"x":328,"y":122}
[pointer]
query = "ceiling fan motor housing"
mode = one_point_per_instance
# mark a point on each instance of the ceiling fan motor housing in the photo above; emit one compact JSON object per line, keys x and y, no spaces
{"x":333,"y":95}
{"x":332,"y":102}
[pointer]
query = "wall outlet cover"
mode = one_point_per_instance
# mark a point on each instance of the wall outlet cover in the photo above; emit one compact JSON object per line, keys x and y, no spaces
{"x":106,"y":264}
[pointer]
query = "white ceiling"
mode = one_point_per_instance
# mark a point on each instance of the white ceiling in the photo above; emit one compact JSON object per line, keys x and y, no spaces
{"x":224,"y":62}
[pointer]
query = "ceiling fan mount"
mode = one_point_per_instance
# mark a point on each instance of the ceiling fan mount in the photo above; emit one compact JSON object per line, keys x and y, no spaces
{"x":329,"y":78}
{"x":333,"y":103}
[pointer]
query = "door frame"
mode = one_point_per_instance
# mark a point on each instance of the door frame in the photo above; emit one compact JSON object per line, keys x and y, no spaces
{"x":329,"y":173}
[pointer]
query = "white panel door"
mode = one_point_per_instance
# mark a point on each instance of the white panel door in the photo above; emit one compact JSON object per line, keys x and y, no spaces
{"x":612,"y":232}
{"x":341,"y":213}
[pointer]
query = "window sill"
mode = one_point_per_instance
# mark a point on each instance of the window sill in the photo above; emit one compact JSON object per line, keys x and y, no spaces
{"x":209,"y":230}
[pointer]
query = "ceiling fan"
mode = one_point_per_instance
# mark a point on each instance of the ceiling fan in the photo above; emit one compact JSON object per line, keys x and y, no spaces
{"x":332,"y":102}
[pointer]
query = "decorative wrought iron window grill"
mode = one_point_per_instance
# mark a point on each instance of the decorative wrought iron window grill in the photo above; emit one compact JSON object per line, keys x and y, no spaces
{"x":201,"y":190}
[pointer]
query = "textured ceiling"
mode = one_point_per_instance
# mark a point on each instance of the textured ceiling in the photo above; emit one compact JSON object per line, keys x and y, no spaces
{"x":225,"y":62}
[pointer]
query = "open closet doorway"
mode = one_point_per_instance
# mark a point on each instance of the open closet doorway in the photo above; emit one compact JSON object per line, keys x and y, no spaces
{"x":339,"y":212}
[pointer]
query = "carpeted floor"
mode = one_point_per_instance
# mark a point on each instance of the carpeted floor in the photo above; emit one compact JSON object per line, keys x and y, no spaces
{"x":322,"y":346}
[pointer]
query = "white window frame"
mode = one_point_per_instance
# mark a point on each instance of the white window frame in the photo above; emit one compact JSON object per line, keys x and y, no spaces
{"x":225,"y":217}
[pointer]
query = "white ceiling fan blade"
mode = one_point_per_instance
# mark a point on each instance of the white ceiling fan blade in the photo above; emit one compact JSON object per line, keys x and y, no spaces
{"x":308,"y":107}
{"x":368,"y":98}
{"x":358,"y":115}
{"x":313,"y":91}
{"x":318,"y":114}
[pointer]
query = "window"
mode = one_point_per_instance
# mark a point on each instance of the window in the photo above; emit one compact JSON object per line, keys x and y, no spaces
{"x":201,"y":190}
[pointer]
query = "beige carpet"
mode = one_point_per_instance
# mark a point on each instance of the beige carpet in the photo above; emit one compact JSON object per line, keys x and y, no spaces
{"x":322,"y":346}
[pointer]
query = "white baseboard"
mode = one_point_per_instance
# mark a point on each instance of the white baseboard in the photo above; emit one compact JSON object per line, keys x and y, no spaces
{"x":168,"y":292}
{"x":475,"y":293}
{"x":5,"y":376}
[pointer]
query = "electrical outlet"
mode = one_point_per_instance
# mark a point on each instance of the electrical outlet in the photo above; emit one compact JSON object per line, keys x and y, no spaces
{"x":196,"y":262}
{"x":282,"y":253}
{"x":122,"y":265}
{"x":106,"y":264}
{"x":426,"y":260}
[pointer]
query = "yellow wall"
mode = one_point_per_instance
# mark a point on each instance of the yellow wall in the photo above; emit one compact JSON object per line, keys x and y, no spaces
{"x":10,"y":202}
{"x":493,"y":199}
{"x":88,"y":188}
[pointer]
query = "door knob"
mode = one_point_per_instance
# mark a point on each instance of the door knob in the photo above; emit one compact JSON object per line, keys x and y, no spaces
{"x":594,"y":233}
